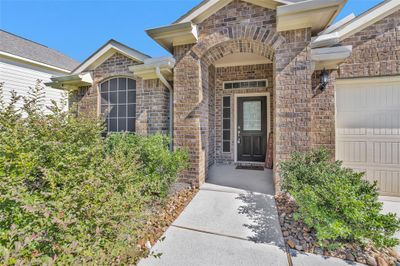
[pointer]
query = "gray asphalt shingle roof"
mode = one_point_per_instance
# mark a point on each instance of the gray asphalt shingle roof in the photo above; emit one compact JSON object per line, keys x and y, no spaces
{"x":22,"y":47}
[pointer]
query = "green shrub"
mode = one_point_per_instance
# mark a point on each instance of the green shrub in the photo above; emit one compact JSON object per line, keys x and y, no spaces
{"x":70,"y":196}
{"x":159,"y":166}
{"x":337,"y":202}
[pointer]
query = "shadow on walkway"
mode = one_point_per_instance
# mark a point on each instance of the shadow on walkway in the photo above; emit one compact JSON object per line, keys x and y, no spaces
{"x":261,"y":211}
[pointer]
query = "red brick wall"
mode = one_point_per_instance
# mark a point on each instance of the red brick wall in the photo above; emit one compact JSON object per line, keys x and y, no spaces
{"x":152,"y":110}
{"x":152,"y":97}
{"x":323,"y":113}
{"x":293,"y":93}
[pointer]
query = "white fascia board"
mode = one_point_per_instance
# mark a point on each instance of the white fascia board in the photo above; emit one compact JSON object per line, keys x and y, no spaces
{"x":84,"y":77}
{"x":325,"y":40}
{"x":338,"y":24}
{"x":331,"y":53}
{"x":175,"y":34}
{"x":305,"y":6}
{"x":110,"y":46}
{"x":152,"y":68}
{"x":162,"y":62}
{"x":357,"y":24}
{"x":284,"y":2}
{"x":270,"y":4}
{"x":33,"y":62}
{"x":369,"y":80}
{"x":205,"y":11}
{"x":71,"y":81}
{"x":316,"y":14}
{"x":330,"y":57}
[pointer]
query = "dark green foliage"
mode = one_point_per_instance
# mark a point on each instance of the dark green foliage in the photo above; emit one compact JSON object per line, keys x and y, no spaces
{"x":69,"y":195}
{"x":337,"y":202}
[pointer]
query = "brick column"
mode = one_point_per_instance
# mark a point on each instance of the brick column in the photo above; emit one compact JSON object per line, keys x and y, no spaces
{"x":189,"y":101}
{"x":293,"y":93}
{"x":323,"y":127}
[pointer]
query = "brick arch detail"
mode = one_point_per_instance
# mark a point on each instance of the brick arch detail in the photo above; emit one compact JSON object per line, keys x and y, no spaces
{"x":239,"y":34}
{"x":241,"y":46}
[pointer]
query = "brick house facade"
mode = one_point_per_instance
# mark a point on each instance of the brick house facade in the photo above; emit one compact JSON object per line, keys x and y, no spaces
{"x":263,"y":42}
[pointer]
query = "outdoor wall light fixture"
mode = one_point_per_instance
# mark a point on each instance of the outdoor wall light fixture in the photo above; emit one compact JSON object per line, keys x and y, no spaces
{"x":323,"y":79}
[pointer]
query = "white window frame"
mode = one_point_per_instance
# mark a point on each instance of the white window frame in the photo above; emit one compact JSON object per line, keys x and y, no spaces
{"x":99,"y":105}
{"x":246,"y":80}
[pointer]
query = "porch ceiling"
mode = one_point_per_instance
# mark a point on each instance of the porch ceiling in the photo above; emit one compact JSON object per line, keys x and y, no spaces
{"x":241,"y":59}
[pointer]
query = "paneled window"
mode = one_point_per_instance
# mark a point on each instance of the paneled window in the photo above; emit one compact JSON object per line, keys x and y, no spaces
{"x":231,"y":85}
{"x":226,"y":124}
{"x":118,"y":104}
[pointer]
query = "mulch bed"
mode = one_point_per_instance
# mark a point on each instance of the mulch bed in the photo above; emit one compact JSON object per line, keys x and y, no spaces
{"x":164,"y":213}
{"x":299,"y":237}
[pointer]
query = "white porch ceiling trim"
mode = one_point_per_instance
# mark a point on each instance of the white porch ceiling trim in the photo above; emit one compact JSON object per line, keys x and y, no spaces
{"x":155,"y":68}
{"x":330,"y":57}
{"x":71,"y":82}
{"x":357,"y":24}
{"x":315,"y":14}
{"x":175,"y":34}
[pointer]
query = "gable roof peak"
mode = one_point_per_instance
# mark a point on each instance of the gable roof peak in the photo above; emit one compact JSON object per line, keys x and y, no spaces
{"x":106,"y":51}
{"x":208,"y":7}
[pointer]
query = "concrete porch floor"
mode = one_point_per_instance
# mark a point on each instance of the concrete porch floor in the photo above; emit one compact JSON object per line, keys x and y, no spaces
{"x":249,"y":180}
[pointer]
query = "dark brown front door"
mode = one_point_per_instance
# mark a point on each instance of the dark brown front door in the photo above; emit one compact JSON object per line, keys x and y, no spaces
{"x":252,"y":129}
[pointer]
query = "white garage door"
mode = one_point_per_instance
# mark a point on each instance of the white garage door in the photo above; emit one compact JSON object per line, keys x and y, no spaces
{"x":368,"y":129}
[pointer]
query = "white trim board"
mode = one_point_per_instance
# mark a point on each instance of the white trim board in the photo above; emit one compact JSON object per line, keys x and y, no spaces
{"x":357,"y":24}
{"x":204,"y":11}
{"x":368,"y":80}
{"x":105,"y":52}
{"x":32,"y":62}
{"x":241,"y":95}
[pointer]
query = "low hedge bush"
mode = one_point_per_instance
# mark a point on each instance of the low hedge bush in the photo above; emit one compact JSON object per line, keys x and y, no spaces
{"x":69,"y":195}
{"x":337,"y":202}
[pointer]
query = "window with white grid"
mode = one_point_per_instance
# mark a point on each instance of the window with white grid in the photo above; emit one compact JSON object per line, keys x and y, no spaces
{"x":118,"y":104}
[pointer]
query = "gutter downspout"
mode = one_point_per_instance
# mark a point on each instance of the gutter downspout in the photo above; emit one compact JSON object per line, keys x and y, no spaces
{"x":171,"y":103}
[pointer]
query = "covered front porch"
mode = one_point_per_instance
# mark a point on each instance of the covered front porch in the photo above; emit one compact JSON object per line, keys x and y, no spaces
{"x":237,"y":122}
{"x":232,"y":179}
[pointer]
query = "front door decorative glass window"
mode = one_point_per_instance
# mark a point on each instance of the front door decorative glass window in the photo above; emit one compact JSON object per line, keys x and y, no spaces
{"x":252,"y":115}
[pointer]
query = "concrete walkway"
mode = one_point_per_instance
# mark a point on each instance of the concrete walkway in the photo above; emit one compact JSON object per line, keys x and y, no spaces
{"x":231,"y":221}
{"x":226,"y":225}
{"x":392,"y":205}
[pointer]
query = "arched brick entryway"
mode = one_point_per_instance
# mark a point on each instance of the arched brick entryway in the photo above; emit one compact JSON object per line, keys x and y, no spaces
{"x":212,"y":78}
{"x":292,"y":67}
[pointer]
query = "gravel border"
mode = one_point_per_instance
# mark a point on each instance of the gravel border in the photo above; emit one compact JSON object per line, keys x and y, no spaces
{"x":299,"y":237}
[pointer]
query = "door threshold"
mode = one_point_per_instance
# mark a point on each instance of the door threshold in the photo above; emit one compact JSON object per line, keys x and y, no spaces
{"x":248,"y":163}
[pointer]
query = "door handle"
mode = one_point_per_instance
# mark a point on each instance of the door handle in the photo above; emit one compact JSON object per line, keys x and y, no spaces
{"x":239,"y":140}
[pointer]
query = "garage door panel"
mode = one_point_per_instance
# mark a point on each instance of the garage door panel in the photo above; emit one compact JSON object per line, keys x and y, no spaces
{"x":353,"y":151}
{"x":388,"y":181}
{"x":368,"y":130}
{"x":386,"y":152}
